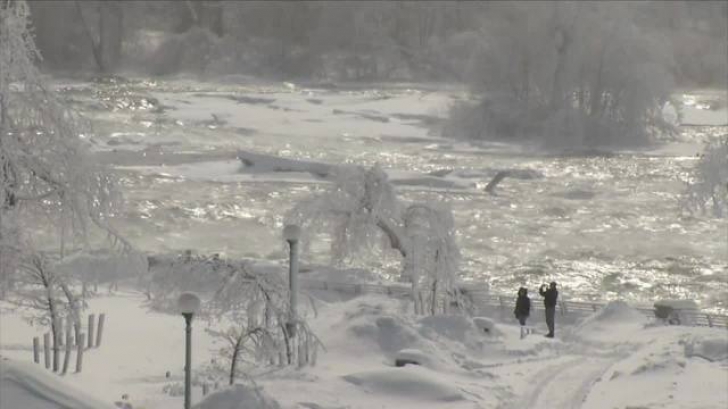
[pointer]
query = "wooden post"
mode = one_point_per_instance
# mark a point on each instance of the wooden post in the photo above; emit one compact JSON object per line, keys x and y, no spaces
{"x":77,"y":330}
{"x":55,"y":340}
{"x":47,"y":349}
{"x":36,"y":350}
{"x":69,"y":328}
{"x":594,"y":307}
{"x":91,"y":324}
{"x":710,"y":320}
{"x":59,"y":328}
{"x":102,"y":319}
{"x":67,"y":358}
{"x":205,"y":389}
{"x":79,"y":351}
{"x":301,"y":350}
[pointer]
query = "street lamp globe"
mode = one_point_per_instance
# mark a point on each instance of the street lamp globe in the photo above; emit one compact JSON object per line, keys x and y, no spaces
{"x":188,"y":303}
{"x":291,"y":232}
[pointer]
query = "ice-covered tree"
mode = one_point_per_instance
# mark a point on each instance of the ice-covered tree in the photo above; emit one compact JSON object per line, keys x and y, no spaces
{"x":250,"y":301}
{"x":567,"y":74}
{"x":257,"y":302}
{"x":46,"y":297}
{"x":47,"y":179}
{"x":707,"y":189}
{"x":363,"y":215}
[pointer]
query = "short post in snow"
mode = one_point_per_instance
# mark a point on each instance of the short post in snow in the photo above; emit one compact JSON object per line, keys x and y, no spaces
{"x":47,"y":349}
{"x":100,"y":333}
{"x":292,"y":234}
{"x":69,"y":348}
{"x":79,"y":351}
{"x":91,"y":325}
{"x":36,"y":350}
{"x":188,"y":304}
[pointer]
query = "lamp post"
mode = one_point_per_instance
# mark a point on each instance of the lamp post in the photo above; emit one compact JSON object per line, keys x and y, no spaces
{"x":188,"y":304}
{"x":292,"y":233}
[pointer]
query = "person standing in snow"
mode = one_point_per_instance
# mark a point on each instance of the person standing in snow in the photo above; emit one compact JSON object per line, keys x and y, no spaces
{"x":523,"y":306}
{"x":549,"y":295}
{"x":523,"y":309}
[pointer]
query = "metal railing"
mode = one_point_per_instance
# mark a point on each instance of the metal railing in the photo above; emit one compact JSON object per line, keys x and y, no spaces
{"x":483,"y":300}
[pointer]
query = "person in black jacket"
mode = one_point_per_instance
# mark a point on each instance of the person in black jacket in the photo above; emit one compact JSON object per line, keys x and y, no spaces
{"x":523,"y":306}
{"x":549,"y":302}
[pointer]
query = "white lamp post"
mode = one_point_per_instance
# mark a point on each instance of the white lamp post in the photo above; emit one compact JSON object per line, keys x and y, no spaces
{"x":188,"y":304}
{"x":292,"y":233}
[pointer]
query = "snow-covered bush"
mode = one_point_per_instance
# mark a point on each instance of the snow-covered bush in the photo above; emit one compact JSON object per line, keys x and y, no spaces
{"x":707,"y":190}
{"x":171,"y":275}
{"x":256,"y":301}
{"x":566,"y":74}
{"x":364,"y":217}
{"x":250,"y":301}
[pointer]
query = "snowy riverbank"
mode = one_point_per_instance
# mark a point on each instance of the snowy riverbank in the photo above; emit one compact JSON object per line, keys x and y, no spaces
{"x":613,"y":358}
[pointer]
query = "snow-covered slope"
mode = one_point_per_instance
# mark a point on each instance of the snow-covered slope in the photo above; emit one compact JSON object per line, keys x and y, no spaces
{"x":24,"y":386}
{"x":614,"y":358}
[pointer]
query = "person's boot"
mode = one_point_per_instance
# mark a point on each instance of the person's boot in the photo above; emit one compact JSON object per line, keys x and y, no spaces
{"x":550,"y":335}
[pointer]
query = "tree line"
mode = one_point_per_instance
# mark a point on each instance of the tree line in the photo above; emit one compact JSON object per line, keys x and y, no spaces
{"x":369,"y":40}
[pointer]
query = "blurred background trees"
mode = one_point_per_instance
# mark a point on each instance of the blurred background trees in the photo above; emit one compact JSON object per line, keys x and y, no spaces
{"x":379,"y":40}
{"x":589,"y":73}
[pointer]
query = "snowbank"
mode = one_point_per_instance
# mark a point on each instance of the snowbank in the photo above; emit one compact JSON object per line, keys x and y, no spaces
{"x":26,"y":386}
{"x":102,"y":266}
{"x":238,"y":397}
{"x":617,"y":312}
{"x":616,"y":322}
{"x":390,"y":333}
{"x":411,"y":382}
{"x":415,"y":356}
{"x":712,"y":349}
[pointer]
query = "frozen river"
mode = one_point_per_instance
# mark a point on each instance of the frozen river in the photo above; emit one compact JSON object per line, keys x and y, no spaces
{"x":605,"y":227}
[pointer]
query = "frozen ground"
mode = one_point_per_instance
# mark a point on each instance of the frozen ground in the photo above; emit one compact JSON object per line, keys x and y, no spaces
{"x":616,"y":358}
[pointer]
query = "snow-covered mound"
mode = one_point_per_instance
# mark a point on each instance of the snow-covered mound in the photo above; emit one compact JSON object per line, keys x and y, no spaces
{"x":458,"y":328}
{"x":407,"y":356}
{"x":412,"y":382}
{"x":617,"y":312}
{"x":27,"y":386}
{"x":617,"y":322}
{"x":238,"y":397}
{"x":710,"y":348}
{"x":390,"y":333}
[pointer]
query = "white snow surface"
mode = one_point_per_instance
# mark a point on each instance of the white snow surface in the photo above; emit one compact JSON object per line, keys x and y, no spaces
{"x":238,"y":397}
{"x":614,"y":358}
{"x":24,"y":386}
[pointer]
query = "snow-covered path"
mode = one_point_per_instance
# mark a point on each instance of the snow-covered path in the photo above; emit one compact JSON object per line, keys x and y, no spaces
{"x":564,"y":385}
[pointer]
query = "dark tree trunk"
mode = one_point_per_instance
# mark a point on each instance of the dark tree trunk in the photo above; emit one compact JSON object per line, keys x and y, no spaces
{"x":234,"y":359}
{"x":111,"y":32}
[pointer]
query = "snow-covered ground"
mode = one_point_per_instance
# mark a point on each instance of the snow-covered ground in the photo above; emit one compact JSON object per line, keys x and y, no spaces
{"x":616,"y":358}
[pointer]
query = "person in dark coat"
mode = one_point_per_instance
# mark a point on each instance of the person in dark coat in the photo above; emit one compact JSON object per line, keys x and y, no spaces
{"x":523,"y":306}
{"x":550,"y":295}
